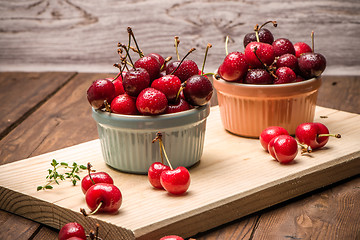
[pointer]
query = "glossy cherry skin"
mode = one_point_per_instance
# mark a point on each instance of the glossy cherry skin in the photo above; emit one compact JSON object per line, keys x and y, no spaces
{"x":300,"y":48}
{"x":265,"y":36}
{"x":269,"y":133}
{"x":284,"y":75}
{"x":234,"y":67}
{"x":151,"y":102}
{"x":154,"y":174}
{"x":124,"y":104}
{"x":160,"y":58}
{"x":72,"y":229}
{"x":169,"y":85}
{"x":198,"y":90}
{"x":288,"y":60}
{"x":171,"y":237}
{"x":108,"y":194}
{"x":311,"y":65}
{"x":283,"y":148}
{"x":99,"y":91}
{"x":307,"y":133}
{"x":175,"y":181}
{"x":97,"y":177}
{"x":135,"y":81}
{"x":150,"y":64}
{"x":264,"y":51}
{"x":283,"y":46}
{"x":75,"y":238}
{"x":179,"y":106}
{"x":187,"y":69}
{"x":258,"y":76}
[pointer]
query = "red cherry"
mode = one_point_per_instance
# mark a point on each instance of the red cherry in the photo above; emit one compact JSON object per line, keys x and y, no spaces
{"x":234,"y":67}
{"x":103,"y":197}
{"x":160,"y":58}
{"x":169,"y":85}
{"x":99,"y":91}
{"x":283,"y":46}
{"x":288,"y":60}
{"x":258,"y":76}
{"x":269,"y":133}
{"x":176,"y":181}
{"x":72,"y":229}
{"x":187,"y":69}
{"x":300,"y":48}
{"x":124,"y":104}
{"x":315,"y":135}
{"x":284,"y":75}
{"x":311,"y":64}
{"x":75,"y":238}
{"x":179,"y":106}
{"x":263,"y":50}
{"x":154,"y":173}
{"x":97,"y":177}
{"x":119,"y":88}
{"x":135,"y":81}
{"x":151,"y":102}
{"x":171,"y":237}
{"x":283,"y":148}
{"x":150,"y":64}
{"x":198,"y":90}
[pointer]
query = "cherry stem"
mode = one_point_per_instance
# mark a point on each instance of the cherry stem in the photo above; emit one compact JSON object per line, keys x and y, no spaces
{"x":177,"y":42}
{"x":159,"y":137}
{"x":130,"y":31}
{"x":330,"y":135}
{"x":183,"y":85}
{"x":107,"y":106}
{"x":304,"y":148}
{"x":89,"y":166}
{"x":97,"y":231}
{"x":166,"y":60}
{"x":206,"y":53}
{"x":266,"y":67}
{"x":127,"y":54}
{"x":83,"y":211}
{"x":273,"y":22}
{"x":226,"y":45}
{"x":190,"y":51}
{"x":256,"y":29}
{"x":312,"y":41}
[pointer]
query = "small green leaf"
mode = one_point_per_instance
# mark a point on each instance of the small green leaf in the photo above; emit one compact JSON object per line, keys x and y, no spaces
{"x":64,"y":164}
{"x":48,"y":187}
{"x":39,"y":188}
{"x":74,"y":182}
{"x":77,"y":176}
{"x":83,"y":167}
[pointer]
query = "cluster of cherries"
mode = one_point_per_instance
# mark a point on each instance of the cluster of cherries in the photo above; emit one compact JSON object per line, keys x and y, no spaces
{"x":151,"y":85}
{"x":284,"y":148}
{"x":175,"y":181}
{"x":269,"y":61}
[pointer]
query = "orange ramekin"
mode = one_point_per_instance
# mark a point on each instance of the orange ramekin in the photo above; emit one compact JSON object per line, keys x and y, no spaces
{"x":247,"y":109}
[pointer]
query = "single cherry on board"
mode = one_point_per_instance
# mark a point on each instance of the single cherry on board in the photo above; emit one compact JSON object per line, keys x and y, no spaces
{"x":269,"y":133}
{"x":315,"y":135}
{"x":103,"y":197}
{"x":72,"y":230}
{"x":283,"y":148}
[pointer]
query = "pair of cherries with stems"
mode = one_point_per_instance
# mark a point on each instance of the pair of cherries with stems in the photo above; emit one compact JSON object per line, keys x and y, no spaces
{"x":284,"y":148}
{"x":101,"y":194}
{"x":175,"y":181}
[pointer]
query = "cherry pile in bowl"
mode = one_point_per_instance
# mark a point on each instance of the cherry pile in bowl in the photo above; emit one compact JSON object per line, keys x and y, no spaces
{"x":269,"y":61}
{"x":151,"y":85}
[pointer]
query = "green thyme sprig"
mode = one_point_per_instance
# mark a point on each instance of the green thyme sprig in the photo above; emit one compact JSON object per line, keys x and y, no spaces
{"x":54,"y":176}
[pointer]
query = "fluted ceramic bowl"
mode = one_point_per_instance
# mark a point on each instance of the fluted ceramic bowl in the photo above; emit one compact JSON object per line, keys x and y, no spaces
{"x":126,"y":140}
{"x":247,"y":109}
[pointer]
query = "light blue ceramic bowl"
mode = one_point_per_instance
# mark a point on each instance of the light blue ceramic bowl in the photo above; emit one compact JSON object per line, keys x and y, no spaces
{"x":126,"y":140}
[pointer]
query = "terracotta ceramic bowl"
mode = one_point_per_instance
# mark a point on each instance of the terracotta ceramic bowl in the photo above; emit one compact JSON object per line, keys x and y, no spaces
{"x":247,"y":109}
{"x":126,"y":141}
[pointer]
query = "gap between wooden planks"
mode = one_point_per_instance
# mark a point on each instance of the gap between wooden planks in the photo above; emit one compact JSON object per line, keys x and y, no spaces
{"x":235,"y":178}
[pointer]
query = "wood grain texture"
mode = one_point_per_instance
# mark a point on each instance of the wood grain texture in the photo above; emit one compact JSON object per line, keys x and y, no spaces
{"x":39,"y":87}
{"x":78,"y":35}
{"x":254,"y":181}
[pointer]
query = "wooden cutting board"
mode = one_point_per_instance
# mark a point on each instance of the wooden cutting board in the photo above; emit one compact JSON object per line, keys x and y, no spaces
{"x":234,"y":178}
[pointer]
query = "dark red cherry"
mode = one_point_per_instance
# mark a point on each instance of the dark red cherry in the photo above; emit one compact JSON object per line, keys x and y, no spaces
{"x":135,"y":81}
{"x":311,"y":64}
{"x":99,"y":91}
{"x":124,"y":104}
{"x":72,"y":230}
{"x":283,"y":46}
{"x":258,"y":76}
{"x":198,"y":90}
{"x":151,"y":65}
{"x":160,"y":58}
{"x":187,"y":69}
{"x":265,"y":36}
{"x":288,"y":60}
{"x":284,"y":75}
{"x":179,"y":106}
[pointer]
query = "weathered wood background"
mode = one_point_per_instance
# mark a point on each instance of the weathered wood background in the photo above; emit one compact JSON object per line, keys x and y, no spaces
{"x":78,"y":35}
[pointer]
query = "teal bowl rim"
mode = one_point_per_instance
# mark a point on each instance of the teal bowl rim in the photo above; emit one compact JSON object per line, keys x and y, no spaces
{"x":151,"y":122}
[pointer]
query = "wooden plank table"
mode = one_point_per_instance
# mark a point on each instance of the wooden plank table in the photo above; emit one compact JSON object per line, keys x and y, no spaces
{"x":52,"y":117}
